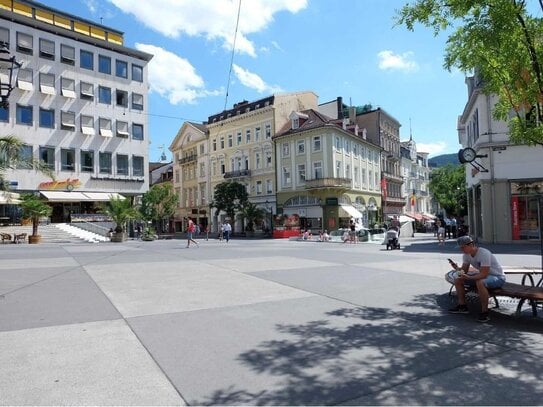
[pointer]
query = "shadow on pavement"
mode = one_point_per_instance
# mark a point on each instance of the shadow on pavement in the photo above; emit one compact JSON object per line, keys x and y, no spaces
{"x":358,"y":355}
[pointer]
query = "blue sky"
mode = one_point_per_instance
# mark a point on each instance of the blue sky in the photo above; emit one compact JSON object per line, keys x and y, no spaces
{"x":347,"y":48}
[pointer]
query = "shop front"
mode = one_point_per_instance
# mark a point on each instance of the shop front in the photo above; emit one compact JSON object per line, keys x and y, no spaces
{"x":526,"y":200}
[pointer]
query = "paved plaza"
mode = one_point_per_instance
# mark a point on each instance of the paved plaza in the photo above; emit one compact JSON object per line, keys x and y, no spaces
{"x":256,"y":322}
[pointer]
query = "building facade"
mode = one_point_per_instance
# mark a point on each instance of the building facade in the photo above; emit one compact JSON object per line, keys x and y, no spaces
{"x":78,"y":106}
{"x":416,"y":175}
{"x":327,"y":174}
{"x":505,"y":181}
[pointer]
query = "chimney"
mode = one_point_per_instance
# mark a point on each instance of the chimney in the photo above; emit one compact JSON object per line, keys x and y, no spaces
{"x":339,"y":106}
{"x":352,"y":114}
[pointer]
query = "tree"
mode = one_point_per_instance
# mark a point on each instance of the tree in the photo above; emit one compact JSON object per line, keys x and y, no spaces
{"x":121,"y":211}
{"x":230,"y":197}
{"x":447,"y":187}
{"x":499,"y":40}
{"x":11,"y":157}
{"x":252,"y":214}
{"x":159,"y":203}
{"x":34,"y":208}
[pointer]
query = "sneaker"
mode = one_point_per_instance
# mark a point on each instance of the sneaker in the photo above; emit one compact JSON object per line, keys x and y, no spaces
{"x":483,"y":317}
{"x":459,"y":309}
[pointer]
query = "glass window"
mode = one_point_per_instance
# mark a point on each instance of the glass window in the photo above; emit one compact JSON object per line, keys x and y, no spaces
{"x":339,"y":169}
{"x":285,"y":149}
{"x":104,"y":95}
{"x":104,"y":64}
{"x":122,"y":98}
{"x":317,"y":143}
{"x":47,"y":83}
{"x":47,"y":156}
{"x":24,"y":115}
{"x":286,"y":176}
{"x":105,"y":127}
{"x":122,"y":164}
{"x":4,"y":114}
{"x":137,"y":101}
{"x":137,"y":166}
{"x":67,"y":87}
{"x":248,"y":136}
{"x":214,"y":144}
{"x":137,"y":73}
{"x":238,"y":138}
{"x":222,"y":142}
{"x":259,"y":187}
{"x":87,"y":90}
{"x":24,"y":79}
{"x":27,"y":155}
{"x":25,"y":43}
{"x":105,"y":163}
{"x":268,"y":131}
{"x":121,"y":69}
{"x":67,"y":159}
{"x":47,"y":118}
{"x":269,"y":186}
{"x":300,"y":147}
{"x":229,"y":140}
{"x":87,"y":125}
{"x":317,"y":170}
{"x":67,"y":54}
{"x":87,"y":161}
{"x":268,"y":159}
{"x":301,"y":173}
{"x":4,"y":36}
{"x":337,"y":143}
{"x":67,"y":121}
{"x":47,"y":49}
{"x":137,"y":131}
{"x":86,"y":59}
{"x":122,"y":129}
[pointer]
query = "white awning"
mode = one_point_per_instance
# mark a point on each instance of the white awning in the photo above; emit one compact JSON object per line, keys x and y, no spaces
{"x":351,"y":211}
{"x":102,"y":196}
{"x":64,"y":196}
{"x":9,"y":198}
{"x":74,"y":196}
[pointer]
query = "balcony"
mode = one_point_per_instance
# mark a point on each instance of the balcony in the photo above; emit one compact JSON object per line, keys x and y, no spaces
{"x":237,"y":174}
{"x":328,"y":183}
{"x":395,"y":201}
{"x":187,"y":159}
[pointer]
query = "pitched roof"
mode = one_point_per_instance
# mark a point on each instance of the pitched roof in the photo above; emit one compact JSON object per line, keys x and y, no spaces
{"x":314,"y":120}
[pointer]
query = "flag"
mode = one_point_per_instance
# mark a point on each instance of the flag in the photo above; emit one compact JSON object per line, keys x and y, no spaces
{"x":413,"y":199}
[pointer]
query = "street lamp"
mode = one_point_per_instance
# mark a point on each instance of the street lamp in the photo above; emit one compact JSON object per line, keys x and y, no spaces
{"x":269,"y":208}
{"x":8,"y":68}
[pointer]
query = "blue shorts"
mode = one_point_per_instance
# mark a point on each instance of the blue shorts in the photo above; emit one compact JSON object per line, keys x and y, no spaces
{"x":490,"y":281}
{"x":189,"y":235}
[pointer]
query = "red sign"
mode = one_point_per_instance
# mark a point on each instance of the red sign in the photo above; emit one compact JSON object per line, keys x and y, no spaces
{"x":514,"y":215}
{"x":384,"y":188}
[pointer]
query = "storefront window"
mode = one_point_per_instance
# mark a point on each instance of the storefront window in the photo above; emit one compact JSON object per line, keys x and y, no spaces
{"x":525,"y":197}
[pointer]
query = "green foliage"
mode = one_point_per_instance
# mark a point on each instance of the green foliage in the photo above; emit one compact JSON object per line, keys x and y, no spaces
{"x":34,"y":208}
{"x":501,"y":42}
{"x":159,"y":202}
{"x":230,"y":197}
{"x":11,"y":158}
{"x":252,"y":214}
{"x":447,"y":187}
{"x":121,"y":211}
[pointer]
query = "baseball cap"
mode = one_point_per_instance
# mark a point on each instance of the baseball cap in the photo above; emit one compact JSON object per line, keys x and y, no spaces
{"x":464,"y":241}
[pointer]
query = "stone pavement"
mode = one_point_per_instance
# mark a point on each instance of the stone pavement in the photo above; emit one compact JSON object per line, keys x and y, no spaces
{"x":260,"y":322}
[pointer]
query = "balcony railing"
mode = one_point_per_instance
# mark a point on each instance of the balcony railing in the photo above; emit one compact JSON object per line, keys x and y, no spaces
{"x":328,"y":183}
{"x":237,"y":174}
{"x":188,"y":159}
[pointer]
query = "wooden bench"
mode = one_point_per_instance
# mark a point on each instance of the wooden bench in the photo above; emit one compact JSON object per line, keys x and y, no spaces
{"x":533,"y":294}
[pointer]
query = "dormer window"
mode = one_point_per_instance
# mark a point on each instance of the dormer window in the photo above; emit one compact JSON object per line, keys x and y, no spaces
{"x":295,"y":123}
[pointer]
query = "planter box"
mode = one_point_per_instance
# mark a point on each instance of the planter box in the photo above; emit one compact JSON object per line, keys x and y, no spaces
{"x":118,"y":237}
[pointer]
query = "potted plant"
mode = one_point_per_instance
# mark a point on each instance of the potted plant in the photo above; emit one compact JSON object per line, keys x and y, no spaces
{"x":33,"y":209}
{"x":253,"y":214}
{"x":149,"y":234}
{"x":120,"y":210}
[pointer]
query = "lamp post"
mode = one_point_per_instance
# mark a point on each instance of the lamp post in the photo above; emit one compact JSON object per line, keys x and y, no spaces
{"x":8,"y":68}
{"x":269,"y":208}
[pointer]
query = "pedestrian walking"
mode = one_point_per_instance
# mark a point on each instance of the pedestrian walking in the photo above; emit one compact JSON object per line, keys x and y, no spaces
{"x":227,"y":230}
{"x":190,"y":230}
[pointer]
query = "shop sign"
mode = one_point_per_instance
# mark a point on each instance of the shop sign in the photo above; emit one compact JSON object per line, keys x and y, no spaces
{"x":61,"y":185}
{"x":514,"y":215}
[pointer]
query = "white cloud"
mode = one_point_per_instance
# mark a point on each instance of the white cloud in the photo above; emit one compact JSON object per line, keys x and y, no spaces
{"x":213,"y":19}
{"x":388,"y":60}
{"x":437,"y":148}
{"x":253,"y":81}
{"x":174,"y":77}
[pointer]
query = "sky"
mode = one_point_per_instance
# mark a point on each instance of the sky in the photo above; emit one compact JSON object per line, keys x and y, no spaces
{"x":347,"y":48}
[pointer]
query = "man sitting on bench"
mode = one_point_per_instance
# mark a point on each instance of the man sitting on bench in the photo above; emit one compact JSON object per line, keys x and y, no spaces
{"x":487,"y":274}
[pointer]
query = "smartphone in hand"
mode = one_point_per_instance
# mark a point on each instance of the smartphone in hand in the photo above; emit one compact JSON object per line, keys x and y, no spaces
{"x":453,"y":264}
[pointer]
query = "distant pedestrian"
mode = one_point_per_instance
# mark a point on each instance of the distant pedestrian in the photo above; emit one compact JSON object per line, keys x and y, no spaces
{"x":191,"y":228}
{"x":207,"y":233}
{"x":227,"y":231}
{"x":221,"y":232}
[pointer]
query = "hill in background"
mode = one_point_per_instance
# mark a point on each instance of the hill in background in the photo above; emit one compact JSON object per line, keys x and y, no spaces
{"x":442,"y":160}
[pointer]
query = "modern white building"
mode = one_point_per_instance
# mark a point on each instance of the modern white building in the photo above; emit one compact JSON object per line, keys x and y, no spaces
{"x":416,"y":175}
{"x":79,"y":106}
{"x":505,"y":181}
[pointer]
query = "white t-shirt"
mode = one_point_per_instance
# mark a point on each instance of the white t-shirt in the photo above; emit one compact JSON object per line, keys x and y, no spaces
{"x":482,"y":258}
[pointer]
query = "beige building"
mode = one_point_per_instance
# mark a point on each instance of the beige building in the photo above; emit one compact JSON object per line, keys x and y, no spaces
{"x":191,"y":175}
{"x":327,"y":174}
{"x":236,"y":145}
